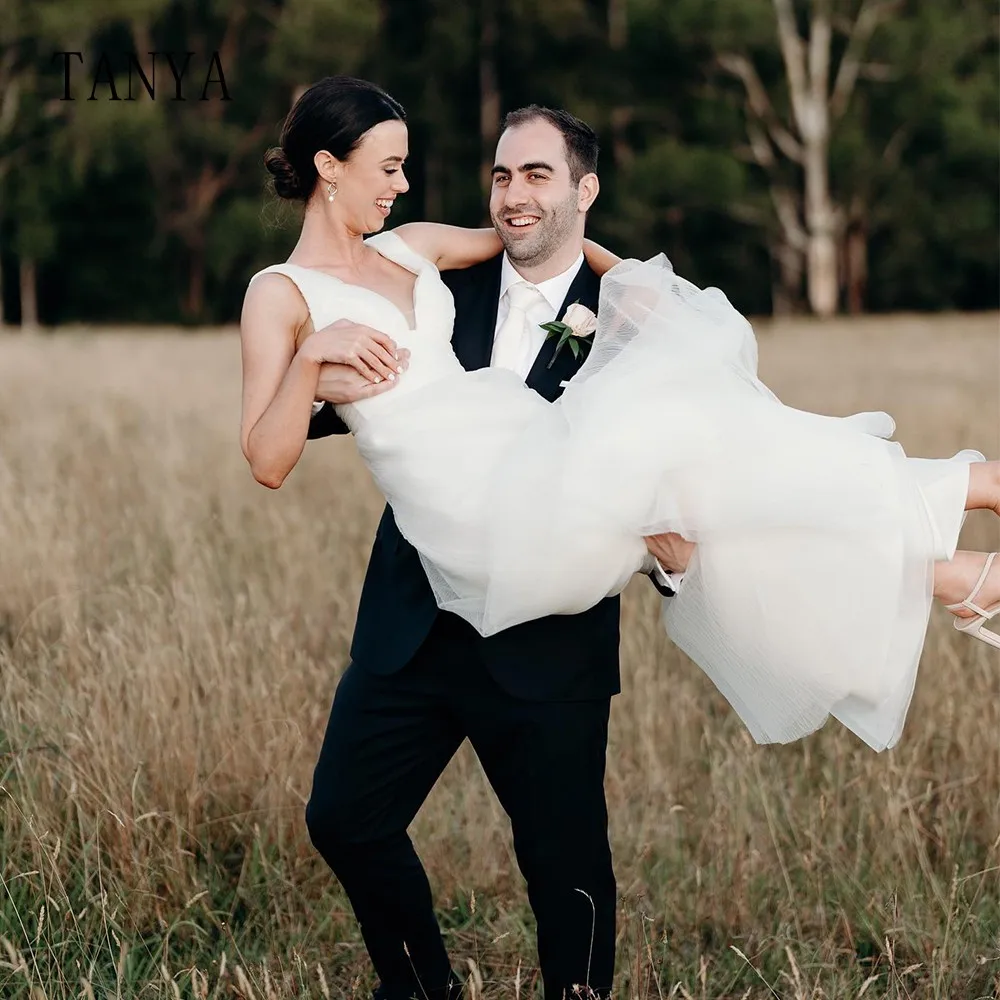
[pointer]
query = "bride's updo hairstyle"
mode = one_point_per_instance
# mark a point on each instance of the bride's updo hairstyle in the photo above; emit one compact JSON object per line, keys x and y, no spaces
{"x":334,"y":114}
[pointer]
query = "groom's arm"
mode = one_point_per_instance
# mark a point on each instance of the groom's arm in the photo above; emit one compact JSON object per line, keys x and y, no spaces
{"x":669,"y":555}
{"x":324,"y":422}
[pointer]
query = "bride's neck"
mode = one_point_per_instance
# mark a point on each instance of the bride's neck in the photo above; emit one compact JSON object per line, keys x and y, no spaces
{"x":327,"y":242}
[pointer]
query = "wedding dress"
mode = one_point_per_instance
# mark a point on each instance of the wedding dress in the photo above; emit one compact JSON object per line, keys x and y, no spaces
{"x":810,"y":590}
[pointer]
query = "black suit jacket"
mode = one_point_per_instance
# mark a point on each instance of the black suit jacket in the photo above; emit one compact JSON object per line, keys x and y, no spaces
{"x":561,"y":657}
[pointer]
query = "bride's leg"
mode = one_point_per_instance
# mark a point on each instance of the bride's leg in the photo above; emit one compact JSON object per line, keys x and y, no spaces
{"x":984,"y":487}
{"x":955,"y":578}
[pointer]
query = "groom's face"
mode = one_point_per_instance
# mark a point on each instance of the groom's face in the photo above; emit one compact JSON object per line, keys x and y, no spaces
{"x":534,"y":205}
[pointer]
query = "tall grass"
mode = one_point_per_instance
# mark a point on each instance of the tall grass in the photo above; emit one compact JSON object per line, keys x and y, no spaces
{"x":171,"y":635}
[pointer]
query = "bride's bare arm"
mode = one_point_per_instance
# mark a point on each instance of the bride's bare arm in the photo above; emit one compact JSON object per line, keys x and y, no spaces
{"x":600,"y":260}
{"x":280,"y":382}
{"x":450,"y":247}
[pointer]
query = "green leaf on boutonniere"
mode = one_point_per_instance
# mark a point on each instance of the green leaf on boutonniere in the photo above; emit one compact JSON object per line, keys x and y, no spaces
{"x":566,"y":336}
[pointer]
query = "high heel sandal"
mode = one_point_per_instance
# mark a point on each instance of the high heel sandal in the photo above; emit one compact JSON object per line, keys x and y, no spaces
{"x":976,"y":626}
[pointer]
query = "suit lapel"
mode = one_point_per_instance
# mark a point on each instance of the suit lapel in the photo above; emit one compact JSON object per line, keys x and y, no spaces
{"x":476,"y":304}
{"x":476,"y":317}
{"x":586,"y":289}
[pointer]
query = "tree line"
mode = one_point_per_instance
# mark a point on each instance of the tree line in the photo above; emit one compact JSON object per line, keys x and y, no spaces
{"x":804,"y":155}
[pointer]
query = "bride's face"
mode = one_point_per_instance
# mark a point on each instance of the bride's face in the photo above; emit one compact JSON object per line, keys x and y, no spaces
{"x":535,"y":206}
{"x":369,"y":182}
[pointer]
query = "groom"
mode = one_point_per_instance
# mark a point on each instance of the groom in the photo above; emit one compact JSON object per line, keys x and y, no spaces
{"x":533,"y":700}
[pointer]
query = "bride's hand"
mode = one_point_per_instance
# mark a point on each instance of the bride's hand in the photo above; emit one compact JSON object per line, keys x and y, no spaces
{"x":371,"y":353}
{"x":340,"y":384}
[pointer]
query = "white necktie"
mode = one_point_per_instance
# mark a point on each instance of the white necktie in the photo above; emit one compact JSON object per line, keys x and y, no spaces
{"x":513,"y":339}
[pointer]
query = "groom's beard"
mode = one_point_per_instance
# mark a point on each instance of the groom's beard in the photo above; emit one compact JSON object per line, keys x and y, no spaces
{"x":554,"y":228}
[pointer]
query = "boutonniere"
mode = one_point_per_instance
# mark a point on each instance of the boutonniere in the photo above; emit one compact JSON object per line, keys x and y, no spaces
{"x":578,"y":323}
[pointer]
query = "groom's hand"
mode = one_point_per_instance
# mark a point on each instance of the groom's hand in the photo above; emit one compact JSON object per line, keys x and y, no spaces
{"x":340,"y":384}
{"x":672,"y":550}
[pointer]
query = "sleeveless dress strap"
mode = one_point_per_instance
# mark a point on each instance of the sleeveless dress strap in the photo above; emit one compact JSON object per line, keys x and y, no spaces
{"x":317,"y":288}
{"x":390,"y":245}
{"x":308,"y":284}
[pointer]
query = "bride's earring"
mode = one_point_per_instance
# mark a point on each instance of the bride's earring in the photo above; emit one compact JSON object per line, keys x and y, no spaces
{"x":331,"y":192}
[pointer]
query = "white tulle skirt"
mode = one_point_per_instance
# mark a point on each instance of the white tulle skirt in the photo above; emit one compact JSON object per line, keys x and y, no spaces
{"x":810,"y":590}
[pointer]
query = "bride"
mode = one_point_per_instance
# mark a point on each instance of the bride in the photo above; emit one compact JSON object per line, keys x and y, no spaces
{"x":819,"y":544}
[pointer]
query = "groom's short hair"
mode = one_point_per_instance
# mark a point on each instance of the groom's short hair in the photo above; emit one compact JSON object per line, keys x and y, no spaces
{"x":581,"y":140}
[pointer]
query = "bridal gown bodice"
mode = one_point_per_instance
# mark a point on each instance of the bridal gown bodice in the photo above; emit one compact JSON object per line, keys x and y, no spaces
{"x":429,"y":340}
{"x":809,"y":592}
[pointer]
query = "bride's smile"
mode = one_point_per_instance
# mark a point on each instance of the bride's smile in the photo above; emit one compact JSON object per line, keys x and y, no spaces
{"x":366,"y":185}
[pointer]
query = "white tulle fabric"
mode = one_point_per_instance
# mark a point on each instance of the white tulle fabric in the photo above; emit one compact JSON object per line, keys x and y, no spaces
{"x":810,"y":591}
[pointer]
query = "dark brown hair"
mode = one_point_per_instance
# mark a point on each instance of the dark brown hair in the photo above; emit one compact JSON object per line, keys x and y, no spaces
{"x":334,"y":114}
{"x":580,"y":139}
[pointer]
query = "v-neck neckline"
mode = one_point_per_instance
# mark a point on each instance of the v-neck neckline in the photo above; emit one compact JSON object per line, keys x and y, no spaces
{"x":371,"y":291}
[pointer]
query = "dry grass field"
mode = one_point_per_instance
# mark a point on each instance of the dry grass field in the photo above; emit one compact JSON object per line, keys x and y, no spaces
{"x":171,"y":634}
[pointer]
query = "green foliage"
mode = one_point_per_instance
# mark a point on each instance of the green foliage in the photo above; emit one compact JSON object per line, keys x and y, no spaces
{"x":174,"y":191}
{"x":312,"y":36}
{"x":672,"y":173}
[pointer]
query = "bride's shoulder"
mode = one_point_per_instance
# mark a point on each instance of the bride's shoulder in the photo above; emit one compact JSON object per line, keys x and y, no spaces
{"x":278,"y":283}
{"x":273,"y":306}
{"x":402,"y":246}
{"x":271,"y":283}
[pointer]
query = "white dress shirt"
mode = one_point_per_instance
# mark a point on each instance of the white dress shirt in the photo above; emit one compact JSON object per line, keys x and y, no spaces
{"x":553,"y":293}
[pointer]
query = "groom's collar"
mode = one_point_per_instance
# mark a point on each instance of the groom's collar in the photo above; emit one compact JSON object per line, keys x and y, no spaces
{"x":554,"y":289}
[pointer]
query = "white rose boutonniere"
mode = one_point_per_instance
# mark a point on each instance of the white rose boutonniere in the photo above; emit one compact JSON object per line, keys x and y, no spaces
{"x":578,"y":323}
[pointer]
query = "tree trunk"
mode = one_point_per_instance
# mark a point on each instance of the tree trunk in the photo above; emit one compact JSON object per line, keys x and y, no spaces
{"x":433,"y":183}
{"x":856,"y":268}
{"x":2,"y":313}
{"x":489,"y":92}
{"x":438,"y":125}
{"x":617,"y":24}
{"x":855,"y":262}
{"x":29,"y":294}
{"x":786,"y":290}
{"x":821,"y":225}
{"x":813,"y":117}
{"x":815,"y":106}
{"x":621,"y":150}
{"x":194,"y":304}
{"x":807,"y":70}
